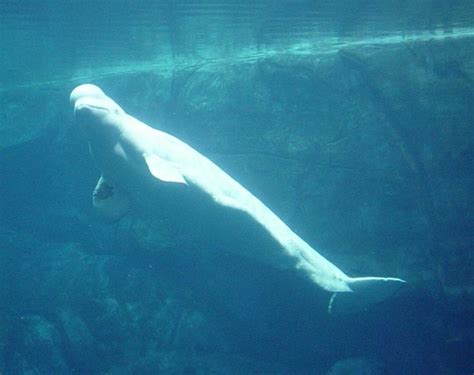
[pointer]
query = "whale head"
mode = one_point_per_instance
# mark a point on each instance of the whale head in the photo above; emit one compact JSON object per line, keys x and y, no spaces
{"x":96,"y":113}
{"x":90,"y":99}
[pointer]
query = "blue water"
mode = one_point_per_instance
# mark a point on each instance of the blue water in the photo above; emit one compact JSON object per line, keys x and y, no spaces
{"x":351,"y":120}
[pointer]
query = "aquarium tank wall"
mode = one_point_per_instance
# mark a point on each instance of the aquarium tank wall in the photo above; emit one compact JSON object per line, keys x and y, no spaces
{"x":353,"y":121}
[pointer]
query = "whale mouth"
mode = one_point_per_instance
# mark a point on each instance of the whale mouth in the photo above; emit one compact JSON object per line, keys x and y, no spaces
{"x":84,"y":107}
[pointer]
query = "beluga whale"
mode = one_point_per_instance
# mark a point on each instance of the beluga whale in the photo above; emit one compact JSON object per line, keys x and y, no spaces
{"x":136,"y":159}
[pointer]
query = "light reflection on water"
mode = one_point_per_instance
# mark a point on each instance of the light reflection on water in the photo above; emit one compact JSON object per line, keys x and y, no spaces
{"x":44,"y":41}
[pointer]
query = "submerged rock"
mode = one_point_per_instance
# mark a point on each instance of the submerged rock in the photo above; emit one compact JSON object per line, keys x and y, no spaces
{"x":39,"y":347}
{"x":356,"y":365}
{"x":29,"y":113}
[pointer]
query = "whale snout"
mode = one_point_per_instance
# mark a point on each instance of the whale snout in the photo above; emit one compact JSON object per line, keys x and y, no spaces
{"x":88,"y":109}
{"x":82,"y":109}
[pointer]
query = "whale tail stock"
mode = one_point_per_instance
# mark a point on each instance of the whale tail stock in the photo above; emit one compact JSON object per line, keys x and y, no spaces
{"x":365,"y":291}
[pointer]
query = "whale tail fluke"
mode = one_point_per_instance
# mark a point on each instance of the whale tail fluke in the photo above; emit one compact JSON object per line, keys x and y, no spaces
{"x":365,"y":291}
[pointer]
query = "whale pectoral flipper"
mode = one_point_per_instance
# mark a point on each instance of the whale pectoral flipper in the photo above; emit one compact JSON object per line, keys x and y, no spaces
{"x":110,"y":203}
{"x":163,"y":170}
{"x":365,"y":291}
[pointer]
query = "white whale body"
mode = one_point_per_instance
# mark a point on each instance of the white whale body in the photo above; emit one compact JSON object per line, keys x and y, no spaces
{"x":135,"y":159}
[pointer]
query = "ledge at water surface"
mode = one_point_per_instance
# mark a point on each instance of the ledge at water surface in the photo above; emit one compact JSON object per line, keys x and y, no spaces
{"x":211,"y":58}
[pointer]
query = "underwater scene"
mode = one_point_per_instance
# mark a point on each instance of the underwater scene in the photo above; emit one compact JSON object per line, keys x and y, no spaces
{"x":237,"y":187}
